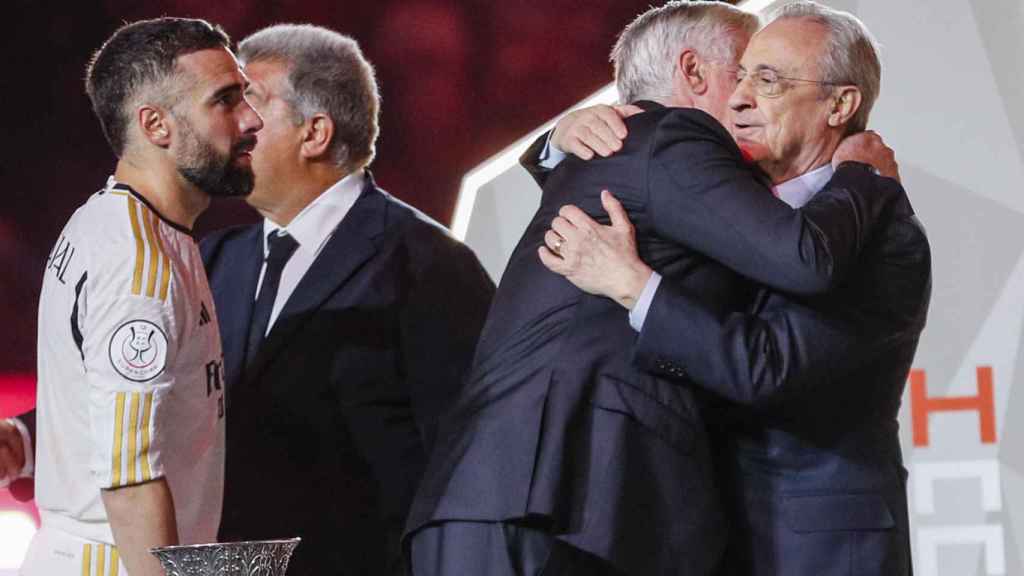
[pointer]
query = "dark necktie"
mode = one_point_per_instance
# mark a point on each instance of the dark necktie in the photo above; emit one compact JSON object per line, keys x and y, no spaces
{"x":281,"y":247}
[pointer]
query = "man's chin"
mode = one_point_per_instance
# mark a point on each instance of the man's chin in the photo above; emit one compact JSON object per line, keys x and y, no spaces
{"x":240,"y":181}
{"x":752,"y":151}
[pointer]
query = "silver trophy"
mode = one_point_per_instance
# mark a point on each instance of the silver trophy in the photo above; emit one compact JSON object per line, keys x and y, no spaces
{"x":256,"y":558}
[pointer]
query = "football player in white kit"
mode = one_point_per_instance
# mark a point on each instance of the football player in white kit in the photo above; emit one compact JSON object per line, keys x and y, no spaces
{"x":130,"y":406}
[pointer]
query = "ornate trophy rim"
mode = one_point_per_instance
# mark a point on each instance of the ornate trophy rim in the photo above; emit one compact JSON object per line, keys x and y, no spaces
{"x":223,"y":545}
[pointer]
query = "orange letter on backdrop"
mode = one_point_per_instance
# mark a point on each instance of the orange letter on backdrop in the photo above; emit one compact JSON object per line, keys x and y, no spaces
{"x":921,"y":405}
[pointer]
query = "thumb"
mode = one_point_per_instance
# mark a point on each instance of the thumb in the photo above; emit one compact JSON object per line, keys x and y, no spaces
{"x":615,"y":211}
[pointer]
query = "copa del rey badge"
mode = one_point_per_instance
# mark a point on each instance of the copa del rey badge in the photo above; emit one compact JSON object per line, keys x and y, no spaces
{"x":138,"y":350}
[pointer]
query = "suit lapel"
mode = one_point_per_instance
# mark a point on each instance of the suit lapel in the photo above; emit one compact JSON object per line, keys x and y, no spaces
{"x":238,"y":292}
{"x":351,"y":245}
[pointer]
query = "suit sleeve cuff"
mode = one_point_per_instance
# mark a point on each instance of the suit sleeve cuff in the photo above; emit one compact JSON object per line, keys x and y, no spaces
{"x":638,"y":315}
{"x":550,"y":156}
{"x":855,"y":165}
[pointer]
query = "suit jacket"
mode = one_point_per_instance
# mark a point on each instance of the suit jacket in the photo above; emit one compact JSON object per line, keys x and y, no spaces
{"x":810,"y":445}
{"x":328,"y":427}
{"x":556,"y":422}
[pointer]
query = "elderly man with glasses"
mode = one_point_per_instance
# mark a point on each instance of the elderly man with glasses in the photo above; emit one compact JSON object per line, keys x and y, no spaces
{"x":810,"y":387}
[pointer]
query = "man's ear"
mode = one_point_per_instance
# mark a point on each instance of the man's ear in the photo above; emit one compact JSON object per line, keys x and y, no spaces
{"x":155,"y":124}
{"x":845,"y":103}
{"x":693,"y":71}
{"x":317,"y":136}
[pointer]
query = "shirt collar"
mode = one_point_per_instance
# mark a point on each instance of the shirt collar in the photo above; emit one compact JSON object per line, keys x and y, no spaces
{"x":800,"y":190}
{"x":316,"y":222}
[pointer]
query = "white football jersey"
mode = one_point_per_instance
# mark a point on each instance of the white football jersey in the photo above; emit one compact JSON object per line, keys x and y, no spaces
{"x":130,"y":370}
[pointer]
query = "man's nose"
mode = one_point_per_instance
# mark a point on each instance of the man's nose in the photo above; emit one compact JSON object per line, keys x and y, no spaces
{"x":742,"y":97}
{"x":251,"y":122}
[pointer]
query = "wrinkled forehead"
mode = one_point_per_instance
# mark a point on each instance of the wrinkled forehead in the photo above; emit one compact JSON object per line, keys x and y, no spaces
{"x":790,"y":46}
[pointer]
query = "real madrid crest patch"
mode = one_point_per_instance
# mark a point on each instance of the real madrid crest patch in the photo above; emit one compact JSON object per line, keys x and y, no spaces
{"x":138,"y":350}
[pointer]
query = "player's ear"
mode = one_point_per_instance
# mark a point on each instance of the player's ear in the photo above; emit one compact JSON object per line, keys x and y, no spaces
{"x":155,"y":124}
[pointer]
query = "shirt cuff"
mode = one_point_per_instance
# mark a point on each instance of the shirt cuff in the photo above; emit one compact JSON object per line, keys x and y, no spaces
{"x":638,"y":315}
{"x":26,"y":443}
{"x":550,"y":156}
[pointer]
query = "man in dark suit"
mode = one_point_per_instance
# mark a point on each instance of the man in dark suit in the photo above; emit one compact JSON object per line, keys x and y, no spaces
{"x":809,"y":455}
{"x":341,"y":348}
{"x":560,"y":455}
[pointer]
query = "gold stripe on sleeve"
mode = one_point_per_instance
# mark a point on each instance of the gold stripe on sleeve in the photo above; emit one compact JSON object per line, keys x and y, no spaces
{"x":114,"y":560}
{"x":115,"y":477}
{"x":101,"y":559}
{"x":166,"y":262}
{"x":133,"y":430}
{"x":87,"y":560}
{"x":140,"y":251}
{"x":154,"y":253}
{"x":147,"y":410}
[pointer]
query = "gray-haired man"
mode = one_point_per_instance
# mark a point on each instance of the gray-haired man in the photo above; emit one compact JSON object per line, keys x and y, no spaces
{"x":347,"y":317}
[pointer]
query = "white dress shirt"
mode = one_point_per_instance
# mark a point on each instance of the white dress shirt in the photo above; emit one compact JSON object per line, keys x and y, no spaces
{"x":311,"y":228}
{"x":795,"y":192}
{"x":800,"y":190}
{"x":550,"y":156}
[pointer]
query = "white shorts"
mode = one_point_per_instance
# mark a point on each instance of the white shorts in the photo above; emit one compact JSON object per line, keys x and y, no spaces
{"x":57,"y":553}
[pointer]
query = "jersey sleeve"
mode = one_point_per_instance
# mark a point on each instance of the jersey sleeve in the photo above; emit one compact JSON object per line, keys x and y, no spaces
{"x":130,"y":341}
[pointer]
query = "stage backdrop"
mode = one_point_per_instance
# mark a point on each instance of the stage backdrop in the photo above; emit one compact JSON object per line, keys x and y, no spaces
{"x":952,"y":106}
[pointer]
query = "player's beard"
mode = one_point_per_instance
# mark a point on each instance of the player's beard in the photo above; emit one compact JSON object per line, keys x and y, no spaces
{"x":214,"y":173}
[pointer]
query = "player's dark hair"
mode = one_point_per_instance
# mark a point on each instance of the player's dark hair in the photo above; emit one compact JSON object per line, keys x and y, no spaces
{"x":137,"y":56}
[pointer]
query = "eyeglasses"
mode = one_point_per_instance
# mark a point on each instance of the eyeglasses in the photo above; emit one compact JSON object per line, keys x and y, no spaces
{"x":769,"y":84}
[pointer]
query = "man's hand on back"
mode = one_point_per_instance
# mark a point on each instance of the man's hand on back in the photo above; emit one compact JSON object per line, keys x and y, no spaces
{"x":597,"y":129}
{"x":598,"y":259}
{"x":868,"y":148}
